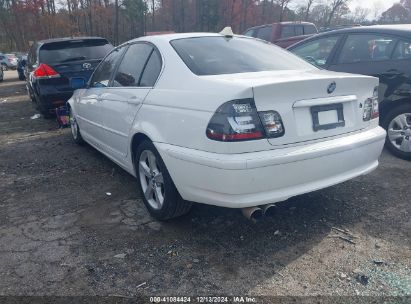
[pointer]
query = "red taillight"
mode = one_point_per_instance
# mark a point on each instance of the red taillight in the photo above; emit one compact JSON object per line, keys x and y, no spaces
{"x":45,"y":72}
{"x":371,"y":109}
{"x":235,"y":120}
{"x":238,"y":120}
{"x":233,"y":137}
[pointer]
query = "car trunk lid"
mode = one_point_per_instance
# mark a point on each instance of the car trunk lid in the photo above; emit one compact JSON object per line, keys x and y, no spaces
{"x":313,"y":104}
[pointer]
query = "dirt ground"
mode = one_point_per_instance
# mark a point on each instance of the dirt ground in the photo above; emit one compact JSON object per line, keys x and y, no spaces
{"x":61,"y":234}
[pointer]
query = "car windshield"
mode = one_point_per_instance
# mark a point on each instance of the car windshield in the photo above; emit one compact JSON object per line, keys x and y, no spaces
{"x":73,"y":50}
{"x":222,"y":55}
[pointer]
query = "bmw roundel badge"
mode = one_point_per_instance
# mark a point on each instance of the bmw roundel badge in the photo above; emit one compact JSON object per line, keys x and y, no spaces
{"x":331,"y":87}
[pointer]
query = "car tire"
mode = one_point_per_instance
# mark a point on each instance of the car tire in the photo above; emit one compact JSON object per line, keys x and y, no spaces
{"x":42,"y":108}
{"x":160,"y":195}
{"x":75,"y":129}
{"x":31,"y":95}
{"x":397,"y":122}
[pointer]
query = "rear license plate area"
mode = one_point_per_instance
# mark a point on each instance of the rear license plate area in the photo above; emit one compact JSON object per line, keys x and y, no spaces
{"x":327,"y":117}
{"x":77,"y":82}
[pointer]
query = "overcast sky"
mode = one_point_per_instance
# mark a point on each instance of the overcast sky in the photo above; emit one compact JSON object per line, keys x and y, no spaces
{"x":382,"y":5}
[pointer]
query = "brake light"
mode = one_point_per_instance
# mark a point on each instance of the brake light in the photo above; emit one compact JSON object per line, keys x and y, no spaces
{"x":371,"y":108}
{"x":272,"y":123}
{"x":44,"y":71}
{"x":238,"y":120}
{"x":375,"y":107}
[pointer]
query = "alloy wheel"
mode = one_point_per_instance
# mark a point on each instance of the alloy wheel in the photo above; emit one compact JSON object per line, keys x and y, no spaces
{"x":151,"y":179}
{"x":399,"y":132}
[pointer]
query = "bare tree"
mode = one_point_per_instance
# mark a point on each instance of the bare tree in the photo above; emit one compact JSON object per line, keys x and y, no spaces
{"x":360,"y":14}
{"x":116,"y":8}
{"x":153,"y":11}
{"x":283,"y":6}
{"x":376,"y":9}
{"x":334,"y":6}
{"x":307,"y":11}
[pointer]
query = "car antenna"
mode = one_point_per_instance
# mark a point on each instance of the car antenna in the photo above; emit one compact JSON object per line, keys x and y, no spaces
{"x":227,"y":32}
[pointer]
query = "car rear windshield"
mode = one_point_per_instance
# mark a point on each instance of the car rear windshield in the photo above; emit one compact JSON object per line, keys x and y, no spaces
{"x":74,"y":50}
{"x":221,"y":55}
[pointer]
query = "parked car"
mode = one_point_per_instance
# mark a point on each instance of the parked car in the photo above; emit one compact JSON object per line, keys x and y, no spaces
{"x":8,"y":61}
{"x":283,"y":34}
{"x":21,"y":65}
{"x":56,"y":66}
{"x":381,"y":51}
{"x":226,"y":120}
{"x":337,"y":27}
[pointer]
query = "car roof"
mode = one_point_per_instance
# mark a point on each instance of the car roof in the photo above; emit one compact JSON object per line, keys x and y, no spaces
{"x":170,"y":37}
{"x":393,"y":29}
{"x":281,"y":23}
{"x":404,"y":29}
{"x":45,"y":41}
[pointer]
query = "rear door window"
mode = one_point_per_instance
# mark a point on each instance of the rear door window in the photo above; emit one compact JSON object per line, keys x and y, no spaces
{"x":366,"y":47}
{"x":104,"y":71}
{"x":152,"y":70}
{"x":287,"y":31}
{"x":74,"y":50}
{"x":265,"y":33}
{"x":131,"y":67}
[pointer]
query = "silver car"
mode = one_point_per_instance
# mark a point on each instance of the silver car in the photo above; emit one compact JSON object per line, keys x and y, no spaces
{"x":8,"y":61}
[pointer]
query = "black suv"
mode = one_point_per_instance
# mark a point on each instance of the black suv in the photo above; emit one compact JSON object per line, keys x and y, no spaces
{"x":56,"y":67}
{"x":382,"y":51}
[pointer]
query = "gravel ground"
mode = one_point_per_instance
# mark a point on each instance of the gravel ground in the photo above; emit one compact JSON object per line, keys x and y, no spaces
{"x":62,"y":235}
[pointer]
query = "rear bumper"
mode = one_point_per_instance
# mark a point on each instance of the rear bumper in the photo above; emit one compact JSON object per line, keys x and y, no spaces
{"x":251,"y":179}
{"x":50,"y":98}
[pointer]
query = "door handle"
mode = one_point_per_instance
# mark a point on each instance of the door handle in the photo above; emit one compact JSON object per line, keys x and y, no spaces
{"x":133,"y":100}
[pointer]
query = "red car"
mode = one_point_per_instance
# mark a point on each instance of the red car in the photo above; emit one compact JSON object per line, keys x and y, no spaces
{"x":283,"y":34}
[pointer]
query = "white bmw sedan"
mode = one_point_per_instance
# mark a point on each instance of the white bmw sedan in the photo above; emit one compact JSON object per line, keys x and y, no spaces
{"x":226,"y":120}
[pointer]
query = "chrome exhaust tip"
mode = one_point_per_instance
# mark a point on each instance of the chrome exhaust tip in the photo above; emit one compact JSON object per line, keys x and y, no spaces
{"x":269,"y":210}
{"x":253,"y":213}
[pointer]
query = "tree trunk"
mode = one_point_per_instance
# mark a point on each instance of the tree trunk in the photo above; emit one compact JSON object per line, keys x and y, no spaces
{"x":116,"y":22}
{"x":153,"y":20}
